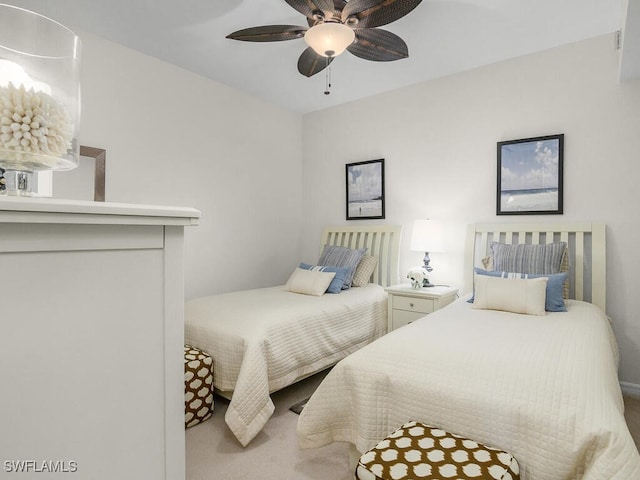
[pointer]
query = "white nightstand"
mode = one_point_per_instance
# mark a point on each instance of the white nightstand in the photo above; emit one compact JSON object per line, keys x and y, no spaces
{"x":407,"y":304}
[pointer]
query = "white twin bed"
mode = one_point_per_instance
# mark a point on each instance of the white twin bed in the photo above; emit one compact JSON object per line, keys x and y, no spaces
{"x":543,"y":387}
{"x":265,"y":339}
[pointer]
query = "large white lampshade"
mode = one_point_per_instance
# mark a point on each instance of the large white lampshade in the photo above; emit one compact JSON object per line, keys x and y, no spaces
{"x":329,"y":39}
{"x":427,"y":236}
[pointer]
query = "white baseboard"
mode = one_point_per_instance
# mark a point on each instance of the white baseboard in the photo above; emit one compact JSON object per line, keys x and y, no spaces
{"x":632,"y":389}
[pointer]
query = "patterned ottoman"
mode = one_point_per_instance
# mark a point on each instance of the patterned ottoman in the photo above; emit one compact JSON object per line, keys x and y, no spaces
{"x":418,"y":451}
{"x":198,"y":386}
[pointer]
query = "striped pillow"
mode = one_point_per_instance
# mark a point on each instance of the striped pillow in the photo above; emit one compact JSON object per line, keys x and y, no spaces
{"x":336,"y":256}
{"x":524,"y":258}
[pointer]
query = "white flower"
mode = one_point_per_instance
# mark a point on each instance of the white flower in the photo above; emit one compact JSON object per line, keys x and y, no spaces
{"x":417,"y":274}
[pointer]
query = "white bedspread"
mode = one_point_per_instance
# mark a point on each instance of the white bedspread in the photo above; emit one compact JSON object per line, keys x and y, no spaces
{"x":543,"y":388}
{"x":262,"y":340}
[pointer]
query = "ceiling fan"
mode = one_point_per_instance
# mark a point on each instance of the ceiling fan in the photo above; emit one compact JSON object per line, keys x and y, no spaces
{"x":336,"y":25}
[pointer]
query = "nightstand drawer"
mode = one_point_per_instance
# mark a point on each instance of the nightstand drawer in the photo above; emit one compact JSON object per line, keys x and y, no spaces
{"x":412,"y":304}
{"x":404,"y":317}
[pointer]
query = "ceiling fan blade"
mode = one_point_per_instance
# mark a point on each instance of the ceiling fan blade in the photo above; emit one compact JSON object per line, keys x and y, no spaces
{"x":311,"y":63}
{"x":310,"y":7}
{"x":269,"y":33}
{"x":338,"y":6}
{"x":378,"y":45}
{"x":374,"y":13}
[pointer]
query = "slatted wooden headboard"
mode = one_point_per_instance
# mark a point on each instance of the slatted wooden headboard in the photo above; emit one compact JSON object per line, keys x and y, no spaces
{"x":382,"y":241}
{"x":587,"y":252}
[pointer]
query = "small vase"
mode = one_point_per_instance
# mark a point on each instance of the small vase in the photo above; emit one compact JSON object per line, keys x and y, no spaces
{"x":415,"y":284}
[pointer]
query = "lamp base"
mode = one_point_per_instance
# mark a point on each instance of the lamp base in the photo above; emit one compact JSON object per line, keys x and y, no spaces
{"x":428,"y":268}
{"x":427,"y":283}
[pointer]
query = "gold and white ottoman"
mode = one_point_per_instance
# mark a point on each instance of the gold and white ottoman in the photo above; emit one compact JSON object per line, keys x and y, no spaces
{"x":418,"y":451}
{"x":198,"y":386}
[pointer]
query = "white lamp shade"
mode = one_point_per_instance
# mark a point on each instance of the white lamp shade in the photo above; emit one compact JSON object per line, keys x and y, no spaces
{"x":427,"y":236}
{"x":329,"y":39}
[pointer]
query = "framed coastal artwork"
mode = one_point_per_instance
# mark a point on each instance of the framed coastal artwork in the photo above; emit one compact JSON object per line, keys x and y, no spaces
{"x":530,"y":176}
{"x":365,"y":190}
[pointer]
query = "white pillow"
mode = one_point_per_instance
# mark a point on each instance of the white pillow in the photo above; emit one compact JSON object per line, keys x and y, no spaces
{"x":517,"y":295}
{"x":309,"y":282}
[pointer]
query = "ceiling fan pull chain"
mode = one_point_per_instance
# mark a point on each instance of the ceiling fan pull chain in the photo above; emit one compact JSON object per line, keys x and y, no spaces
{"x":327,"y":89}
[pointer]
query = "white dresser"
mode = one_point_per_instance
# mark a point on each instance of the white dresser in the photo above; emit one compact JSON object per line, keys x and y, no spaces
{"x":91,"y":339}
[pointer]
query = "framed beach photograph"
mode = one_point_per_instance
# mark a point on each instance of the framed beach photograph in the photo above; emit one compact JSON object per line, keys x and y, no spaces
{"x":530,"y":176}
{"x":365,"y":190}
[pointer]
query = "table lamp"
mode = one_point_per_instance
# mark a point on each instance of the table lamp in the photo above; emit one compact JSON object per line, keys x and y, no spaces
{"x":427,"y":237}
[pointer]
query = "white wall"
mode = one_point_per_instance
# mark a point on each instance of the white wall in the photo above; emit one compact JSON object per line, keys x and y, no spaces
{"x":174,"y":138}
{"x":439,"y":138}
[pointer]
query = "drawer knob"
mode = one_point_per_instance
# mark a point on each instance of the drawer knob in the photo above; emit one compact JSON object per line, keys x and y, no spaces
{"x":411,"y":304}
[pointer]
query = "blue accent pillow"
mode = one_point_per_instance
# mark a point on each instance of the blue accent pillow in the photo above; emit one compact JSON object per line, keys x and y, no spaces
{"x":554,"y":301}
{"x":336,"y":284}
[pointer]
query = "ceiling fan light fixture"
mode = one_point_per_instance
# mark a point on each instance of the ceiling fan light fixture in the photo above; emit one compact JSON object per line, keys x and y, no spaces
{"x":335,"y":26}
{"x":329,"y":39}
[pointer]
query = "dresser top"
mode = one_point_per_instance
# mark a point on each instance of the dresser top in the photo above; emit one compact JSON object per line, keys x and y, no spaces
{"x":48,"y":210}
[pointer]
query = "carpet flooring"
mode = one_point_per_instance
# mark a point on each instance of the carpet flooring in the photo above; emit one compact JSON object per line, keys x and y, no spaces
{"x":632,"y":415}
{"x":298,"y":406}
{"x":213,"y":453}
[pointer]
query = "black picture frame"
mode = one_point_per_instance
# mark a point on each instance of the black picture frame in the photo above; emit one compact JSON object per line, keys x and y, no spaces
{"x":365,"y":190}
{"x":530,"y":176}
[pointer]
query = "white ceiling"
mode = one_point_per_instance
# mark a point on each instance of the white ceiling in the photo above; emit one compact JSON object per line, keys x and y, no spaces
{"x":444,"y":37}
